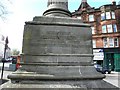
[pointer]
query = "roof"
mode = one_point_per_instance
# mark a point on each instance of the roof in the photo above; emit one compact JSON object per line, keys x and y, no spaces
{"x":83,"y":6}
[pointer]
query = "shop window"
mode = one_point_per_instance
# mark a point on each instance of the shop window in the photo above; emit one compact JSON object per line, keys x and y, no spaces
{"x":108,"y":16}
{"x":93,"y":30}
{"x":114,"y":28}
{"x":91,"y":18}
{"x":113,"y":15}
{"x":103,"y":16}
{"x":104,"y":29}
{"x":116,"y":42}
{"x":94,"y":43}
{"x":109,"y":28}
{"x":111,"y":42}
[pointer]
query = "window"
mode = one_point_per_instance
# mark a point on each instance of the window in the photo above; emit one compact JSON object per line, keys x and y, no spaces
{"x":114,"y":28}
{"x":109,"y":28}
{"x":104,"y":29}
{"x":111,"y":42}
{"x":108,"y":16}
{"x":113,"y":15}
{"x":105,"y":43}
{"x":94,"y":43}
{"x":116,"y":42}
{"x":91,"y":17}
{"x":103,"y":16}
{"x":93,"y":30}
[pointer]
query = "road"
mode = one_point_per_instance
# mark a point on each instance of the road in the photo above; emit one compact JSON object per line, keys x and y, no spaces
{"x":6,"y":65}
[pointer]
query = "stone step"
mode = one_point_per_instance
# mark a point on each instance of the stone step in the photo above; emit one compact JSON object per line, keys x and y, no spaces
{"x":35,"y":72}
{"x":60,"y":85}
{"x":61,"y":71}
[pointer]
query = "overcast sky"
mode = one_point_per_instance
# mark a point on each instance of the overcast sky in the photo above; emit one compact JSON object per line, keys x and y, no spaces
{"x":25,"y":10}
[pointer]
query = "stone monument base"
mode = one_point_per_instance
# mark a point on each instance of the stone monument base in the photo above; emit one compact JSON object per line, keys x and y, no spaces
{"x":60,"y":85}
{"x":22,"y":80}
{"x":57,"y":55}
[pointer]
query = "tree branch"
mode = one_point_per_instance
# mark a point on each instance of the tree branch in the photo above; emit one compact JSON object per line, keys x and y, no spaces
{"x":3,"y":10}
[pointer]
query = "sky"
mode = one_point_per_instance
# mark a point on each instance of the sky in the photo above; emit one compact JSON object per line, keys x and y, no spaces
{"x":21,"y":11}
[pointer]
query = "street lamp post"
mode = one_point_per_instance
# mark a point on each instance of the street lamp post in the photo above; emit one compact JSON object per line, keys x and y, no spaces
{"x":3,"y":60}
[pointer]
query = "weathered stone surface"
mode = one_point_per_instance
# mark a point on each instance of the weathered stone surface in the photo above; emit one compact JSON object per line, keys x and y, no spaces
{"x":58,"y":72}
{"x":57,"y":55}
{"x":56,"y":39}
{"x":61,"y":85}
{"x":58,"y":58}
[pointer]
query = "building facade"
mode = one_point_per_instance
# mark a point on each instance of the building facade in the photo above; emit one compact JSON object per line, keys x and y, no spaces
{"x":2,"y":47}
{"x":105,"y":26}
{"x":2,"y":44}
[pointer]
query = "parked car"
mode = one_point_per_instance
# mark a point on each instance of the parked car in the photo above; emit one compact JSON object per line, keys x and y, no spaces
{"x":101,"y":69}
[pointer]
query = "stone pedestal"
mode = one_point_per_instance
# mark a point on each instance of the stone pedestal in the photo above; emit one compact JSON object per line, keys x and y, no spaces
{"x":57,"y":54}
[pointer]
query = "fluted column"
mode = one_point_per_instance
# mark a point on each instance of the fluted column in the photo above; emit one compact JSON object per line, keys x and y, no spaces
{"x":57,"y":8}
{"x":63,"y":2}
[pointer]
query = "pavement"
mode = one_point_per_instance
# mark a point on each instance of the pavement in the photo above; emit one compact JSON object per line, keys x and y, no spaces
{"x":113,"y":78}
{"x":5,"y":73}
{"x":3,"y":81}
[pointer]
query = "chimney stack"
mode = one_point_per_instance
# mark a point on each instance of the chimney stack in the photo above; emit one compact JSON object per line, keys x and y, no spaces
{"x":113,"y":2}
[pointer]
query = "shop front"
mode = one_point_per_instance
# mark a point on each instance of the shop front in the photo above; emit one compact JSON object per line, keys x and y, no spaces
{"x":112,"y":58}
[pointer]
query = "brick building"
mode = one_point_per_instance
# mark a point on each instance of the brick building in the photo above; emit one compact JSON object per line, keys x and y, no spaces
{"x":105,"y":26}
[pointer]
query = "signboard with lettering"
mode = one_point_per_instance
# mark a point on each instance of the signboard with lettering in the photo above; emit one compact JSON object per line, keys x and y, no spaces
{"x":98,"y":54}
